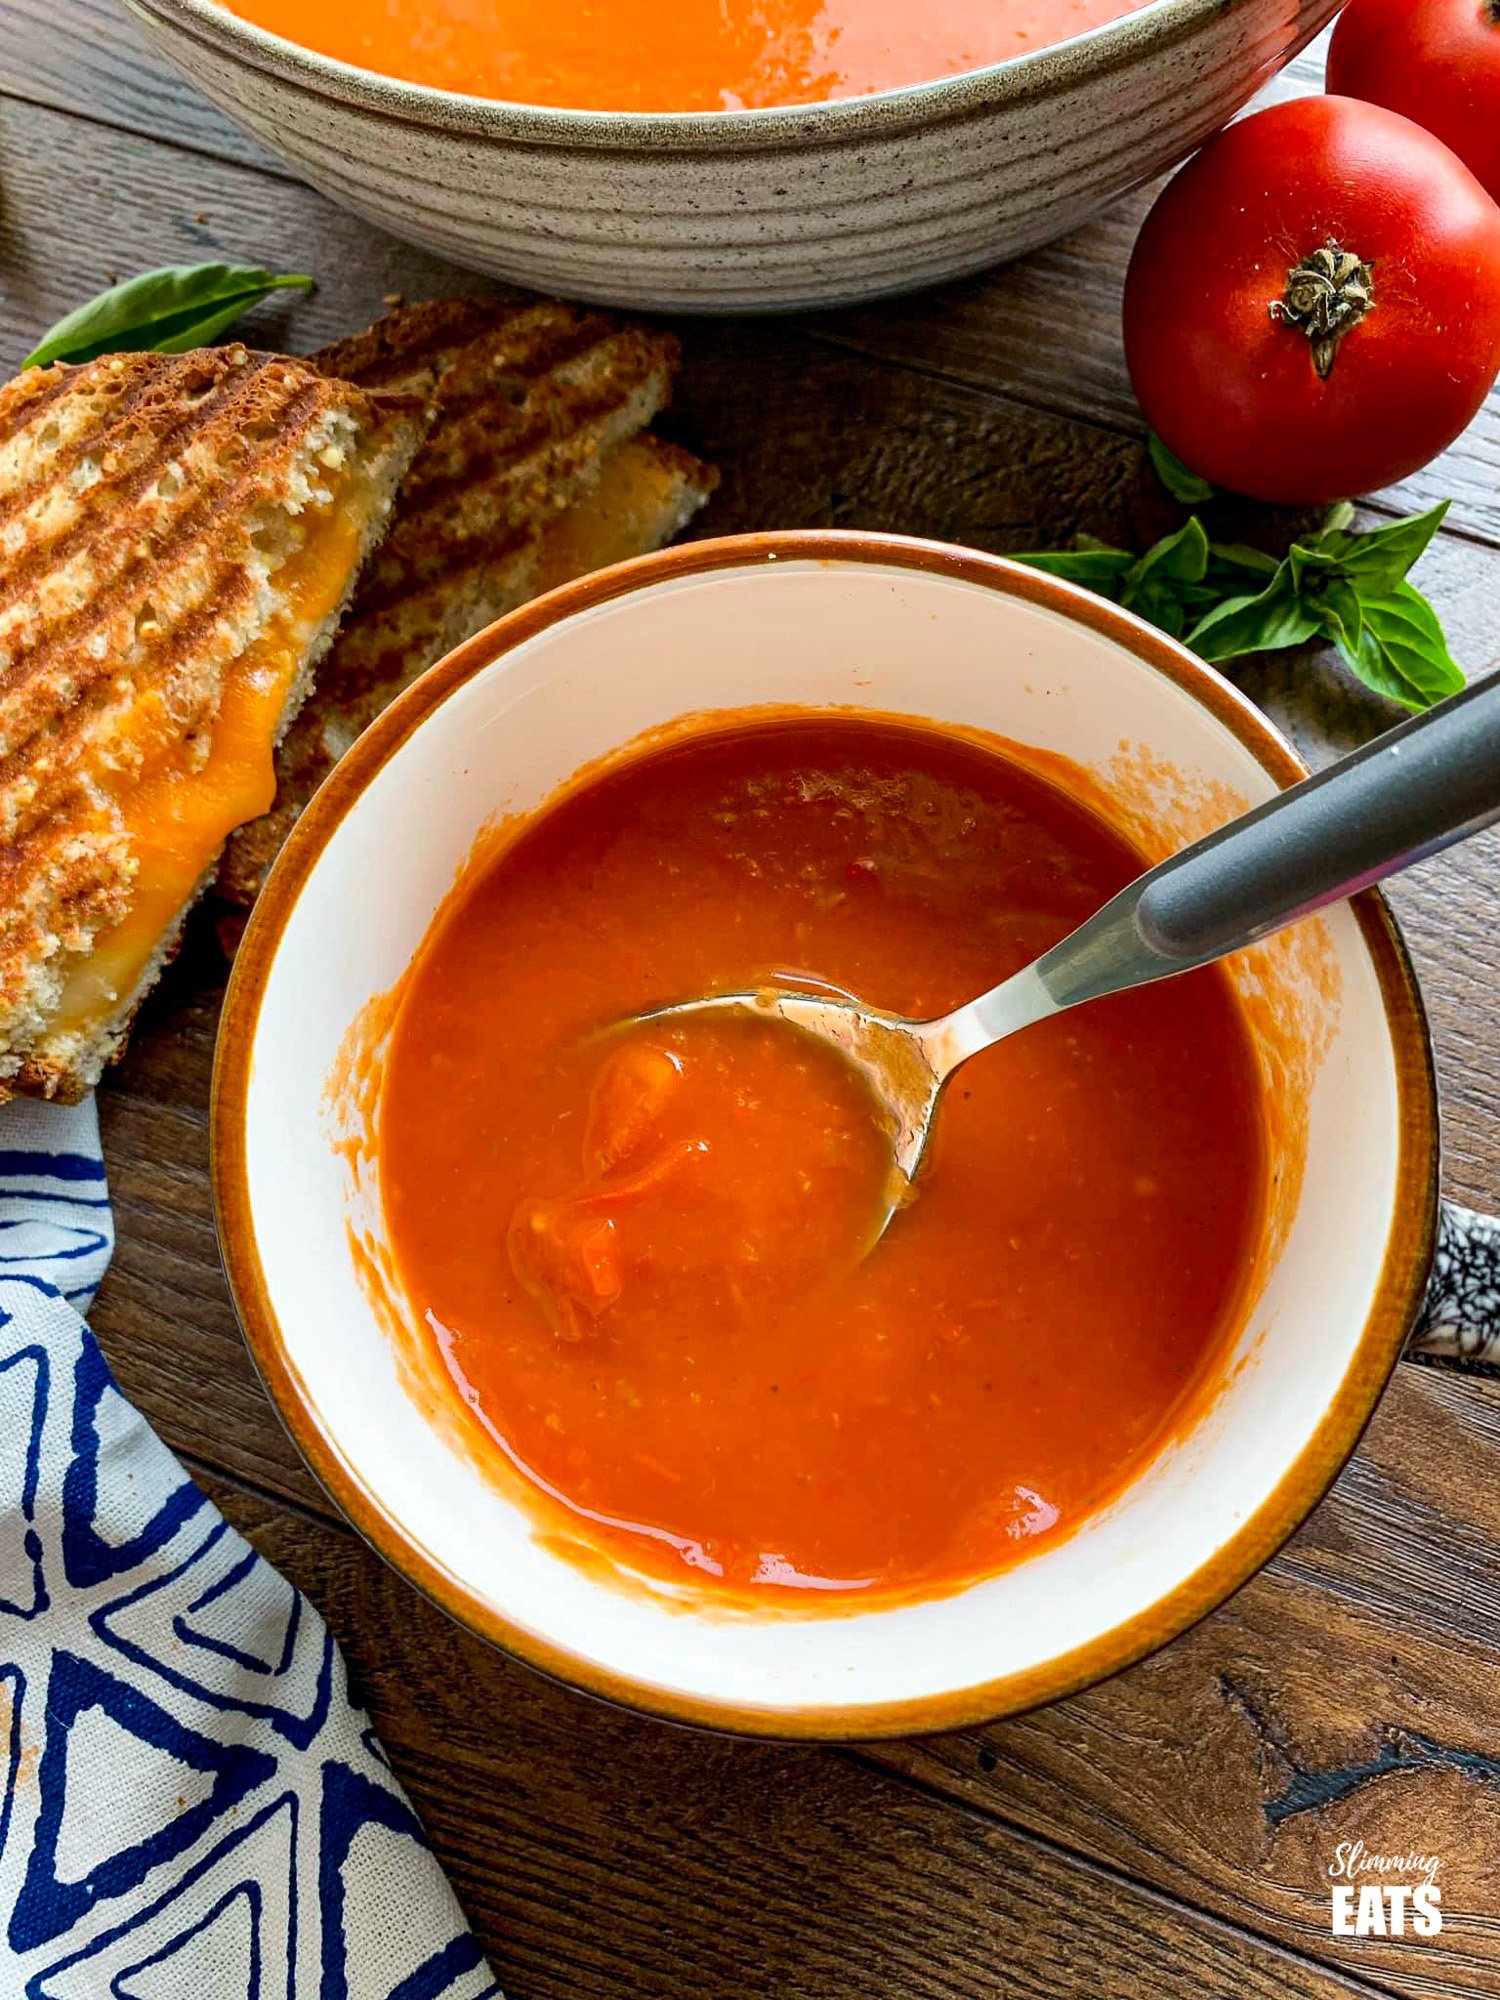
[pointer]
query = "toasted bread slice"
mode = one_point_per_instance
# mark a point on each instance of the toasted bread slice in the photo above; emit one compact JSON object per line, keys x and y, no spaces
{"x":179,"y":535}
{"x":533,"y":472}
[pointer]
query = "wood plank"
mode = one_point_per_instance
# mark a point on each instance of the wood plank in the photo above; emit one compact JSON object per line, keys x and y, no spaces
{"x":95,"y":61}
{"x":1044,"y":331}
{"x":1447,"y":910}
{"x":600,"y":1854}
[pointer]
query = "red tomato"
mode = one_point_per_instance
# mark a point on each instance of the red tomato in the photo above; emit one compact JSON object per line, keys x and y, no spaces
{"x":1313,"y":307}
{"x":1437,"y":61}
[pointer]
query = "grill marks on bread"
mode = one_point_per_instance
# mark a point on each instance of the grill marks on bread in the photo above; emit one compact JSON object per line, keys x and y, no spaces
{"x":147,"y":504}
{"x":525,"y":408}
{"x":533,"y":404}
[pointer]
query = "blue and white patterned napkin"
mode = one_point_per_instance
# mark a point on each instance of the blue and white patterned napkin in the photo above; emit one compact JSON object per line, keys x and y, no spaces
{"x":191,"y":1807}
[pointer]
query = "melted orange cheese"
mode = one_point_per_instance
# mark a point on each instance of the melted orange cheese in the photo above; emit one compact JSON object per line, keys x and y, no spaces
{"x":620,"y":518}
{"x":178,"y":817}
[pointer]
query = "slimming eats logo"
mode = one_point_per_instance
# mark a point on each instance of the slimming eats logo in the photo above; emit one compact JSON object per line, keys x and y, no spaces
{"x":1367,"y":1902}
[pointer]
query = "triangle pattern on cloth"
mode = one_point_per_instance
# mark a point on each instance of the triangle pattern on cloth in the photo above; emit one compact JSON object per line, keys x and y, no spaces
{"x":146,"y":1505}
{"x":228,"y":1629}
{"x":218,"y":1955}
{"x":51,"y":1170}
{"x":21,"y":1167}
{"x":54,"y":1896}
{"x":100,"y":1818}
{"x":228,"y":1930}
{"x":259,"y":1636}
{"x":24,"y":1382}
{"x":455,"y":1972}
{"x":31,"y":1240}
{"x":376,"y":1945}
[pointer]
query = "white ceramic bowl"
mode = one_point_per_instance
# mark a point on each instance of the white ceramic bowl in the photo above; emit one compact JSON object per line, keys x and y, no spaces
{"x":890,"y":625}
{"x":743,"y":211}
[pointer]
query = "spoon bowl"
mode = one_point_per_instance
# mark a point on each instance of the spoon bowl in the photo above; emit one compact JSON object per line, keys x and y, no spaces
{"x":905,"y":1063}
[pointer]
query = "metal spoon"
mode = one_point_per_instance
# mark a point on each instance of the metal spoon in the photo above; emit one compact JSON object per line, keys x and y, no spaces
{"x":1431,"y":782}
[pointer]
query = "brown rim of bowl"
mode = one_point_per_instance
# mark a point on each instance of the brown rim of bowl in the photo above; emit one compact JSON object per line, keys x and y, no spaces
{"x":1154,"y":25}
{"x":1404,"y":1270}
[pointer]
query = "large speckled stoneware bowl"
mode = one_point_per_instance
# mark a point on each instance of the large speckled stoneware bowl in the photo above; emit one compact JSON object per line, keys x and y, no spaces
{"x":818,"y":621}
{"x":743,"y":211}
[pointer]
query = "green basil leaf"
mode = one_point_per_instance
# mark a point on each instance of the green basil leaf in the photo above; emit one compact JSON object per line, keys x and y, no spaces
{"x":1224,"y":599}
{"x":1183,"y":557}
{"x":1180,"y":480}
{"x":1162,"y":607}
{"x":1343,"y":618}
{"x":1274,"y":618}
{"x":1166,"y":586}
{"x":1313,"y":566}
{"x":166,"y":312}
{"x":1235,"y":559}
{"x":1201,"y":598}
{"x":1097,"y":569}
{"x":1379,"y":558}
{"x":1402,"y":652}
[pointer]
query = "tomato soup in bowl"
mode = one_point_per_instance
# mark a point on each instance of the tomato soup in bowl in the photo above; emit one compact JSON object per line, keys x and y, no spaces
{"x":580,"y":1322}
{"x":677,"y":55}
{"x":645,"y":1256}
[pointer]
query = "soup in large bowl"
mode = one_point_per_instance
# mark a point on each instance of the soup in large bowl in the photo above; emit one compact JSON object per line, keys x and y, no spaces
{"x":702,"y":157}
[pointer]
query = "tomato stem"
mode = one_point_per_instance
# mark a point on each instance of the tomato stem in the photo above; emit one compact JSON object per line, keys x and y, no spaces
{"x":1326,"y":297}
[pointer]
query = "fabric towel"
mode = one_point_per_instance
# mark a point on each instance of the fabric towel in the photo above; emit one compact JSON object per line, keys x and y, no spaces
{"x":191,"y":1806}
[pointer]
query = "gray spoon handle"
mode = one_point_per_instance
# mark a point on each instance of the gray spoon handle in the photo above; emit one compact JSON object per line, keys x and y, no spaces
{"x":1423,"y":786}
{"x":1408,"y":794}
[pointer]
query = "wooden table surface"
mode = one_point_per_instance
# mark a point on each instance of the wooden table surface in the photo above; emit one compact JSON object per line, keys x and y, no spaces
{"x":1167,"y":1834}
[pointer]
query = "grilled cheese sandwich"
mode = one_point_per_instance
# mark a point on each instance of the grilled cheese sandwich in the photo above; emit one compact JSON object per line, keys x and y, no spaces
{"x":180,"y":535}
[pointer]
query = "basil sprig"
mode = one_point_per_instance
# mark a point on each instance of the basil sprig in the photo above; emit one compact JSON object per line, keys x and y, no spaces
{"x":1180,"y":480}
{"x":166,"y":312}
{"x":1341,"y":586}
